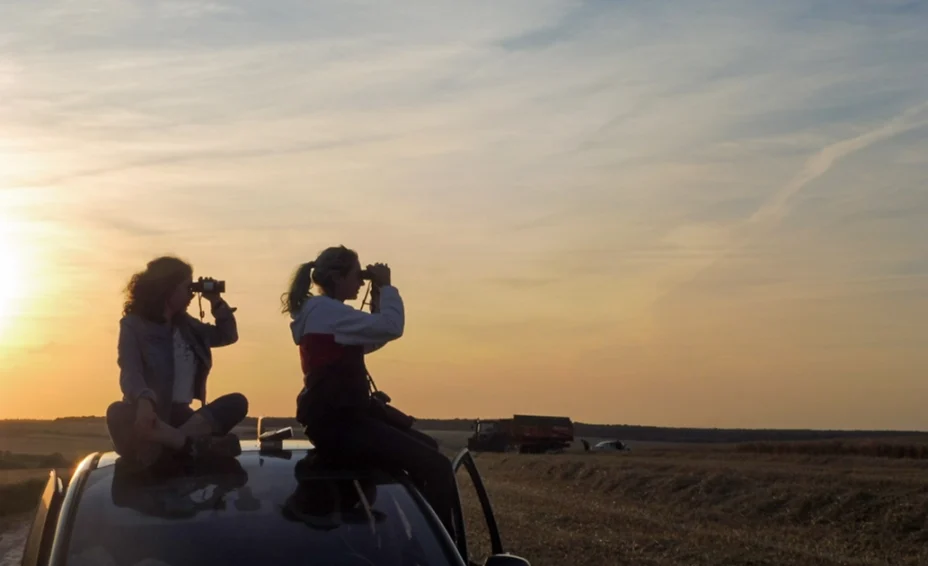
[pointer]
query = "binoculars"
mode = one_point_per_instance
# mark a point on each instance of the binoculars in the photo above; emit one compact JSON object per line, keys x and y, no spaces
{"x":208,"y":286}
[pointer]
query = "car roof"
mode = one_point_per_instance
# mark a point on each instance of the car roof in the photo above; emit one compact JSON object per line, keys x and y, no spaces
{"x":287,"y":494}
{"x":251,"y":450}
{"x":283,"y":468}
{"x":285,"y":461}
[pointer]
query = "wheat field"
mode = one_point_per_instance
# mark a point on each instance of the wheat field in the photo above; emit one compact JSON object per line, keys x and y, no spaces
{"x":686,"y":507}
{"x":776,"y":504}
{"x":672,"y":504}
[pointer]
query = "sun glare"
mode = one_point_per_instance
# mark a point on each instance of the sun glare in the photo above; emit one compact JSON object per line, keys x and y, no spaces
{"x":11,"y":276}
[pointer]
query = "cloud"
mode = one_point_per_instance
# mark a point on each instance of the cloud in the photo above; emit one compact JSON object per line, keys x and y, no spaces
{"x":640,"y":167}
{"x":126,"y":227}
{"x":821,"y":162}
{"x":196,"y":156}
{"x":519,"y":283}
{"x":738,"y":237}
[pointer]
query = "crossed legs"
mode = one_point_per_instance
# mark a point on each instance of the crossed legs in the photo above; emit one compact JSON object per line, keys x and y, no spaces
{"x":214,"y":419}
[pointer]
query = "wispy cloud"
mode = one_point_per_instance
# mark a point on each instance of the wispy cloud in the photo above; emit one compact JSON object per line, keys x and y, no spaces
{"x":737,"y":238}
{"x":654,"y":170}
{"x":821,"y":162}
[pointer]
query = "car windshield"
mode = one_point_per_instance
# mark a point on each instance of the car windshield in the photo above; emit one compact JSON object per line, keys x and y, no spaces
{"x":252,"y":511}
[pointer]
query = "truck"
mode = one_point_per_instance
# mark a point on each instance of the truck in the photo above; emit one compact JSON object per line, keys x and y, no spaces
{"x":526,"y":434}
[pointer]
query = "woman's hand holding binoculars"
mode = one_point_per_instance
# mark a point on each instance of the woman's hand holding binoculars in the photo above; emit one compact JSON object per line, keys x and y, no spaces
{"x":378,"y":273}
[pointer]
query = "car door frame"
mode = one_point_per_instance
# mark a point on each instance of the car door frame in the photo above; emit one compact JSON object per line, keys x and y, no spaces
{"x":465,"y":458}
{"x":37,"y":547}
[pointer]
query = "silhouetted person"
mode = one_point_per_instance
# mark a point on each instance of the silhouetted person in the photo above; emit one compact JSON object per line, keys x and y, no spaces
{"x":335,"y":405}
{"x":164,"y":358}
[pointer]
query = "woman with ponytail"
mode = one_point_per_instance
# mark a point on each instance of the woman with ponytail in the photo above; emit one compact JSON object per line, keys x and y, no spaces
{"x":335,"y":405}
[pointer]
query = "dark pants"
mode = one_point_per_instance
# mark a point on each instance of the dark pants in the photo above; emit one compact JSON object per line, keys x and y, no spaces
{"x":223,"y":413}
{"x":365,"y":440}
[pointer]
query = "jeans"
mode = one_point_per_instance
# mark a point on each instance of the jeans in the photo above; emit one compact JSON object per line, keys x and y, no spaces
{"x":224,"y":413}
{"x":362,"y":439}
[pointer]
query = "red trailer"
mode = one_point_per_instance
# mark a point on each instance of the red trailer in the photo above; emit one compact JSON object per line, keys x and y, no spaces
{"x":522,"y":433}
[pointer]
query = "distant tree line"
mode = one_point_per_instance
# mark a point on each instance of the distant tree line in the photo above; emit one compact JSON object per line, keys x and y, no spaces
{"x":684,"y":435}
{"x":622,"y":431}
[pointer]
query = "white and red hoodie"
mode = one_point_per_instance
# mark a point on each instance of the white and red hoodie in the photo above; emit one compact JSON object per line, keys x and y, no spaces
{"x":333,"y":338}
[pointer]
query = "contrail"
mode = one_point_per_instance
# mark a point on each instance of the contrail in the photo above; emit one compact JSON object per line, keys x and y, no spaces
{"x":821,"y":162}
{"x":815,"y":166}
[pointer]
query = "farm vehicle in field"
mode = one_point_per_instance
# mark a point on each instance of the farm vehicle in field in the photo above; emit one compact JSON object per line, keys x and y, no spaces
{"x":606,"y":446}
{"x":526,"y":434}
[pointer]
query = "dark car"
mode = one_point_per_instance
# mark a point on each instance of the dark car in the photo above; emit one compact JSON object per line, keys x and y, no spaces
{"x":276,"y":504}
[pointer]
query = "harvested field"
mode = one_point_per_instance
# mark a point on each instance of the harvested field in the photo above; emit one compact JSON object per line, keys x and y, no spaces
{"x":10,"y":477}
{"x":70,"y":438}
{"x":873,"y":448}
{"x":19,"y":494}
{"x":786,"y":503}
{"x":20,"y":489}
{"x":711,"y":507}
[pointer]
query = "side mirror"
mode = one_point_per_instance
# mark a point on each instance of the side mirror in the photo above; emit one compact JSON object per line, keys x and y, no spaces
{"x":506,"y":560}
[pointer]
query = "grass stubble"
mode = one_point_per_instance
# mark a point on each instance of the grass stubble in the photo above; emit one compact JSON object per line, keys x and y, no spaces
{"x":717,"y":507}
{"x":758,"y":505}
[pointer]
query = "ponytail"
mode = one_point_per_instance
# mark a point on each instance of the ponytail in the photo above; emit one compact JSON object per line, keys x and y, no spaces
{"x":292,"y":300}
{"x":332,"y":261}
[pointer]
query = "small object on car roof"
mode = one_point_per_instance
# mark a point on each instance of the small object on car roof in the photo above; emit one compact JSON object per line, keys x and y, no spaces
{"x":273,"y":440}
{"x":279,"y":434}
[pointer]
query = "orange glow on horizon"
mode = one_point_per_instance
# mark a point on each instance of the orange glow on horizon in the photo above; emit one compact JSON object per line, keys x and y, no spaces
{"x":12,"y":276}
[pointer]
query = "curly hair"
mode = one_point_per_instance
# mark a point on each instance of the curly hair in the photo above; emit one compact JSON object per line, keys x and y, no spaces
{"x":148,"y":290}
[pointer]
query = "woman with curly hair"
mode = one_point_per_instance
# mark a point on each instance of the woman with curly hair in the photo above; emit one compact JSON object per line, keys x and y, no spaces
{"x":164,"y":358}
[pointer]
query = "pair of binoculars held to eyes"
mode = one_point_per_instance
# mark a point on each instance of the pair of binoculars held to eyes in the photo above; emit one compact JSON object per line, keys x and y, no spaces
{"x":208,"y":285}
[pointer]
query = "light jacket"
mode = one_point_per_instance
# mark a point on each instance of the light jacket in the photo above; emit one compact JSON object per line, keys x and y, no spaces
{"x":145,"y":354}
{"x":333,"y":338}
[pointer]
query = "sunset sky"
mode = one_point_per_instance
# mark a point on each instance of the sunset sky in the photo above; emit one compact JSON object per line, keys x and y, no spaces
{"x":689,"y":213}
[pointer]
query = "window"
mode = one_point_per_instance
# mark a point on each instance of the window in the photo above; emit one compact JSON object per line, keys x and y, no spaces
{"x":259,"y":515}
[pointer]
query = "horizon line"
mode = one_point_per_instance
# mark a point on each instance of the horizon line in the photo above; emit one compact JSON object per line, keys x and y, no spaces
{"x":575,"y":422}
